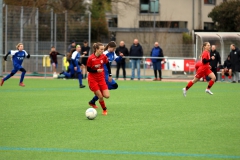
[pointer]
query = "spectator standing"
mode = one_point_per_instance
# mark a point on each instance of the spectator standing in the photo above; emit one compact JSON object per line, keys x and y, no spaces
{"x":85,"y":54}
{"x":136,"y":51}
{"x":157,"y":52}
{"x":217,"y":61}
{"x":71,"y":46}
{"x":121,"y":64}
{"x":235,"y":61}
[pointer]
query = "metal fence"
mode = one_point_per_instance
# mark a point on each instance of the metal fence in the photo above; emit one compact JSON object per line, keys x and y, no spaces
{"x":38,"y":31}
{"x":45,"y":68}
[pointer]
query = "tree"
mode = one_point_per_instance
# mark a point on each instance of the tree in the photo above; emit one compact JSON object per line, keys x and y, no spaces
{"x":99,"y":23}
{"x":226,"y":16}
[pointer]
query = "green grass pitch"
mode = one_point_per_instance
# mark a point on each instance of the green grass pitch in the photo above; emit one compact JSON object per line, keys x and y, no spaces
{"x":146,"y":120}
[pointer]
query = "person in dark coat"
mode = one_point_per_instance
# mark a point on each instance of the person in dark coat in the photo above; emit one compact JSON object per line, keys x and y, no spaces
{"x":136,"y":51}
{"x":157,"y":52}
{"x":235,"y":61}
{"x":217,"y":61}
{"x":122,"y":63}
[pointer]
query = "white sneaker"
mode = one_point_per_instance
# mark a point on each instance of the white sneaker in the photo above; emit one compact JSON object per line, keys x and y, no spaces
{"x":208,"y":91}
{"x":184,"y":92}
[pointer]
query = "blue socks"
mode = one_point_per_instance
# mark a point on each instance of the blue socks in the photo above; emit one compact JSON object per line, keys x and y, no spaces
{"x":7,"y":77}
{"x":95,"y":98}
{"x":80,"y":78}
{"x":22,"y":77}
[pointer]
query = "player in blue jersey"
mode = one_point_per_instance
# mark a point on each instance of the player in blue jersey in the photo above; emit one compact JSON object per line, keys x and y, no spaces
{"x":110,"y":53}
{"x":74,"y":66}
{"x":17,"y":59}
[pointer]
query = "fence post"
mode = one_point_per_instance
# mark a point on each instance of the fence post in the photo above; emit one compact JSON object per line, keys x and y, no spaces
{"x":36,"y":50}
{"x":89,"y":30}
{"x":51,"y":27}
{"x":144,"y":67}
{"x":21,"y":25}
{"x":1,"y":39}
{"x":65,"y":37}
{"x":55,"y":30}
{"x":45,"y":66}
{"x":6,"y":31}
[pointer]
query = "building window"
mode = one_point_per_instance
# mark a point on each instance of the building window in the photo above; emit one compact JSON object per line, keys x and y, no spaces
{"x":163,"y":24}
{"x":210,"y":2}
{"x":149,"y":6}
{"x":113,"y":22}
{"x":208,"y":26}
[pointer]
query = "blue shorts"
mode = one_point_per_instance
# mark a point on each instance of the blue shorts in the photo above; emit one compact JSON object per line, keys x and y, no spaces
{"x":157,"y":65}
{"x":16,"y":68}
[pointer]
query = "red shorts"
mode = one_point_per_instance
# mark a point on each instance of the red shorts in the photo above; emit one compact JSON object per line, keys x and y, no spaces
{"x":97,"y":85}
{"x":203,"y":71}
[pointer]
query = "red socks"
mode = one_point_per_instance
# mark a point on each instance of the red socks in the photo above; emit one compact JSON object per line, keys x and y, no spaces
{"x":102,"y":103}
{"x":229,"y":77}
{"x":223,"y":77}
{"x":190,"y":83}
{"x":210,"y":84}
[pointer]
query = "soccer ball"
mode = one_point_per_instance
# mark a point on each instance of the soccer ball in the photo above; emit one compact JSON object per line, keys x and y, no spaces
{"x":91,"y":113}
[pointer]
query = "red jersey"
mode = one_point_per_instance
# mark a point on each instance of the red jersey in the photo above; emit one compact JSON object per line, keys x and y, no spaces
{"x":206,"y":55}
{"x":96,"y":63}
{"x":198,"y":64}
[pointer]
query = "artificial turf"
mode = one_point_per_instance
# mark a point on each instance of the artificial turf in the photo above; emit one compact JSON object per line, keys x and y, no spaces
{"x":146,"y":120}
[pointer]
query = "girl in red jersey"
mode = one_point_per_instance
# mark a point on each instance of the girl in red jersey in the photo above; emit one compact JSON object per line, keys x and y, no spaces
{"x":203,"y":70}
{"x":96,"y":77}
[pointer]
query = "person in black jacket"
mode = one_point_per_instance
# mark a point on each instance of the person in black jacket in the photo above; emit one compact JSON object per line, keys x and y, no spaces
{"x":119,"y":50}
{"x":217,"y":61}
{"x":235,"y":61}
{"x":227,"y":69}
{"x":136,"y":51}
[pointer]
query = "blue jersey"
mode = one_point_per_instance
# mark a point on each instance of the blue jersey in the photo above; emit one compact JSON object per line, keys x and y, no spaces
{"x":75,"y":58}
{"x":18,"y":56}
{"x":111,"y":57}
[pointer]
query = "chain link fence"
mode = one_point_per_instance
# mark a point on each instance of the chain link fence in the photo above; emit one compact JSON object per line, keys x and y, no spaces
{"x":38,"y":31}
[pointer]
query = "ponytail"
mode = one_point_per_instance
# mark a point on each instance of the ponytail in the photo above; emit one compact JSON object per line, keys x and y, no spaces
{"x":110,"y":44}
{"x":106,"y":47}
{"x":70,"y":53}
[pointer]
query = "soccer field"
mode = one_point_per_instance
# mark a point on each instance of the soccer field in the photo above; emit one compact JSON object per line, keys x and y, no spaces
{"x":146,"y":120}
